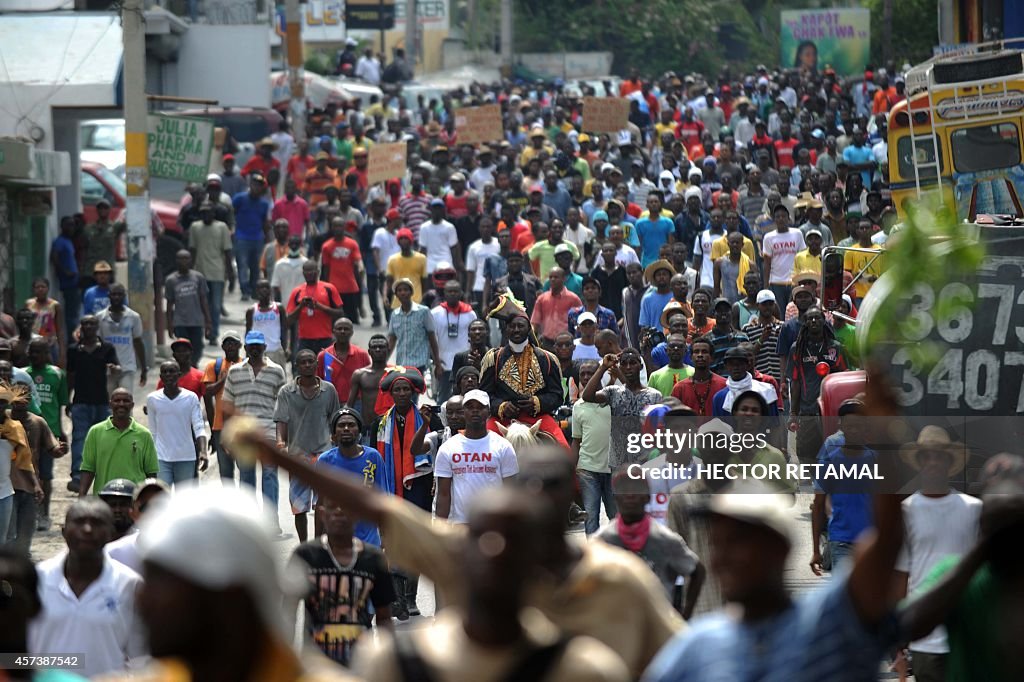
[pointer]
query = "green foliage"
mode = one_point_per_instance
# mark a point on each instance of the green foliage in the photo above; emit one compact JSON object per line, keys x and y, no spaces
{"x":914,"y":29}
{"x":320,"y":63}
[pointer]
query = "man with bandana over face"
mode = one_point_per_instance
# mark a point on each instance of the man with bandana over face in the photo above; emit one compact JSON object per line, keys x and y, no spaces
{"x":523,"y":380}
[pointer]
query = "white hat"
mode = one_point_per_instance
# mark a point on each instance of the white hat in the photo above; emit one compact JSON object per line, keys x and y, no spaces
{"x":563,"y":248}
{"x":605,"y":167}
{"x":227,"y":529}
{"x":811,"y":231}
{"x":213,"y":177}
{"x":586,"y":316}
{"x":765,"y":295}
{"x":770,"y":510}
{"x":849,"y":301}
{"x":716,"y":426}
{"x":694,"y":171}
{"x":351,"y":41}
{"x":477,"y":396}
{"x":666,"y":175}
{"x":692,"y":192}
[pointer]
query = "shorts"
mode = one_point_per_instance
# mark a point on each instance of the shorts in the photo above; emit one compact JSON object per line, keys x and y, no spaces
{"x":300,"y":495}
{"x":45,"y":466}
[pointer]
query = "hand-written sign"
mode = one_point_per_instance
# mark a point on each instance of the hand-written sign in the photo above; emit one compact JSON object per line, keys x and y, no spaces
{"x":179,"y":147}
{"x":479,"y":124}
{"x":386,"y":161}
{"x":605,"y":114}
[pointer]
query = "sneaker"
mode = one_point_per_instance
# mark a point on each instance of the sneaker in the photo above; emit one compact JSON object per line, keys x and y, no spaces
{"x":375,"y":323}
{"x":73,"y":486}
{"x":43,"y":523}
{"x":245,"y":298}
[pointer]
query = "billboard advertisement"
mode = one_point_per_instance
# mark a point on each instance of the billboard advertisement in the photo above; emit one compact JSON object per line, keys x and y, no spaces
{"x":818,"y":38}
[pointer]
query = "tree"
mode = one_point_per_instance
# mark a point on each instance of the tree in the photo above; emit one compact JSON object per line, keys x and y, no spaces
{"x":913,"y":29}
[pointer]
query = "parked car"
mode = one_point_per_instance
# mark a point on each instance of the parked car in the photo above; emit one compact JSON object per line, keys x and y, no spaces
{"x":99,"y":182}
{"x":102,"y":141}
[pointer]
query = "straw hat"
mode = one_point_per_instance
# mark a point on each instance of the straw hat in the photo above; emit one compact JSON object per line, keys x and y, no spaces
{"x":660,"y":264}
{"x":934,"y":438}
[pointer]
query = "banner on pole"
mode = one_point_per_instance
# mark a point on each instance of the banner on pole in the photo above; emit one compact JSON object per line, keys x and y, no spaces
{"x":179,"y":147}
{"x":386,"y":161}
{"x":605,"y":114}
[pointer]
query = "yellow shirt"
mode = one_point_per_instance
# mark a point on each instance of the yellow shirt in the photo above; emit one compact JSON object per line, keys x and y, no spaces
{"x":805,"y":262}
{"x":660,"y":128}
{"x":855,"y":261}
{"x":414,"y":268}
{"x":720,"y":247}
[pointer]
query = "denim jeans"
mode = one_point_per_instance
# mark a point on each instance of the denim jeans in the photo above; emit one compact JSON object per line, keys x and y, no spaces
{"x":445,"y":387}
{"x":176,"y":472}
{"x":6,"y":509}
{"x":225,"y":462}
{"x":247,"y":256}
{"x":781,"y":292}
{"x":83,"y":417}
{"x":595,"y":489}
{"x":268,"y":479}
{"x":841,"y":553}
{"x":195,"y":335}
{"x":215,"y":301}
{"x":23,"y":522}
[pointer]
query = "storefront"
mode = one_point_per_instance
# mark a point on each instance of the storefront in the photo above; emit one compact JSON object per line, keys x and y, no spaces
{"x":28,"y":178}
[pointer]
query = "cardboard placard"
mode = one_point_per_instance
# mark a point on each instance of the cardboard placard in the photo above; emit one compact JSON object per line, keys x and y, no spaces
{"x":479,"y":124}
{"x":386,"y":161}
{"x":605,"y":114}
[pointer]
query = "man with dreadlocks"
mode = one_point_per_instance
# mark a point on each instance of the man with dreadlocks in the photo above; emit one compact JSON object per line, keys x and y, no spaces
{"x":523,"y":380}
{"x":815,"y":354}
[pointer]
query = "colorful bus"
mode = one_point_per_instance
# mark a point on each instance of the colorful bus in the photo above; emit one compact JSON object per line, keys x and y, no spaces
{"x":959,"y":133}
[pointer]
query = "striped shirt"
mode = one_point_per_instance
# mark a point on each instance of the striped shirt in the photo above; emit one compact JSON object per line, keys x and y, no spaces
{"x":767,"y":358}
{"x":411,"y":330}
{"x":255,"y":394}
{"x":415,"y":210}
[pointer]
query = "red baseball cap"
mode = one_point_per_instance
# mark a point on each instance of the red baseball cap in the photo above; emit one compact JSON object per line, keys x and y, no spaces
{"x":180,"y":341}
{"x":392,"y":214}
{"x":229,"y":157}
{"x":404,"y":233}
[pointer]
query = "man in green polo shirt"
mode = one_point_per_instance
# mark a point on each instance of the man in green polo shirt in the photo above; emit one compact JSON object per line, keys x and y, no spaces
{"x":118,"y":447}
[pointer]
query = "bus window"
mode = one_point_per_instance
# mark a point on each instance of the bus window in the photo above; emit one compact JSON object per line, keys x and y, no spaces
{"x":986,"y":147}
{"x":924,"y":154}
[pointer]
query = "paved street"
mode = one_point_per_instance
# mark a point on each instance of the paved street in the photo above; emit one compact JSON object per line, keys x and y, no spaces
{"x":48,"y":543}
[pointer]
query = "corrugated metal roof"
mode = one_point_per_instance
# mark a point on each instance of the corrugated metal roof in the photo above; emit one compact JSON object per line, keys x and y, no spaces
{"x":75,"y":48}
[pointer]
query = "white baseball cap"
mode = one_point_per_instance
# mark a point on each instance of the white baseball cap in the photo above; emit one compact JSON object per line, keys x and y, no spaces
{"x":757,"y":507}
{"x":476,"y":395}
{"x":765,"y":295}
{"x":586,"y":316}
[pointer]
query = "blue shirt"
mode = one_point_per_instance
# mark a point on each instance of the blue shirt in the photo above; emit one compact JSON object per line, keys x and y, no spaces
{"x":64,"y":253}
{"x":819,"y":637}
{"x":370,"y":466}
{"x":96,"y":298}
{"x":559,"y":201}
{"x":857,"y":155}
{"x":659,"y":356}
{"x":851,"y":499}
{"x":652,"y":235}
{"x":651,"y":307}
{"x":250,"y":216}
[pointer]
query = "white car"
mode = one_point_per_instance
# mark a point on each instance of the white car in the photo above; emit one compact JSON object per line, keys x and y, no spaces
{"x":102,"y":142}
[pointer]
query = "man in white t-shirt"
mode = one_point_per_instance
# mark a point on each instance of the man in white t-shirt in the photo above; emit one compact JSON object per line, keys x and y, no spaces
{"x":451,"y":324}
{"x":476,"y":257}
{"x":176,"y":420}
{"x":438,"y":239}
{"x":471,"y":461}
{"x":702,"y":251}
{"x":779,"y":250}
{"x":940,"y":522}
{"x":287,"y":272}
{"x":586,"y":346}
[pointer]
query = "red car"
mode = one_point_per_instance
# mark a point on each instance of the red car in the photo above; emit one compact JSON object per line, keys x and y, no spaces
{"x":98,"y":182}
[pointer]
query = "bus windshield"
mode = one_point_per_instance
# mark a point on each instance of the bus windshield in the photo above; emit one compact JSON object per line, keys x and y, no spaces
{"x":925,"y":154}
{"x":986,"y":147}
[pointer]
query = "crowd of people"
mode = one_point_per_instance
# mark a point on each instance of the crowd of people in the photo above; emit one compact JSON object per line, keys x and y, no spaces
{"x":538,"y":300}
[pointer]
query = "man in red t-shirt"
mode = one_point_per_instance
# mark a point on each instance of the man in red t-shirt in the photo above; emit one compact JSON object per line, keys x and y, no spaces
{"x":191,"y":378}
{"x":337,"y":362}
{"x":314,"y":305}
{"x":343,"y":267}
{"x":263,"y":163}
{"x":784,"y":146}
{"x":455,"y":200}
{"x":698,"y":391}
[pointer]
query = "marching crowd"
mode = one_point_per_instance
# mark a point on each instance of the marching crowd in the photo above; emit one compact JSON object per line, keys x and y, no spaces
{"x":553,"y":292}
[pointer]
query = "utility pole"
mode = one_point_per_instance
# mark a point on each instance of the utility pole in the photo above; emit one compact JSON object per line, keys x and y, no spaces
{"x":141,"y":249}
{"x":506,"y":38}
{"x":296,"y":72}
{"x":412,"y":50}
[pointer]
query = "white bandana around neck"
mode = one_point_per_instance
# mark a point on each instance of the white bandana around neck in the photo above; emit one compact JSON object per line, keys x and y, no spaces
{"x":518,"y":348}
{"x":747,"y":383}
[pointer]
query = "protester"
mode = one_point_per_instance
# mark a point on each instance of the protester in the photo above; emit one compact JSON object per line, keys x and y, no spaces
{"x":176,"y":422}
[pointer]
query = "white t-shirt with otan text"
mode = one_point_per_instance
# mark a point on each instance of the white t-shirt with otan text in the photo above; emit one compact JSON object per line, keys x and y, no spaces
{"x":474,"y":465}
{"x":782,"y":248}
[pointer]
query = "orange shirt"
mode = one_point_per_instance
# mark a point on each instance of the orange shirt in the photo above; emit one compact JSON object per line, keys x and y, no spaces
{"x":316,"y":182}
{"x":211,"y":375}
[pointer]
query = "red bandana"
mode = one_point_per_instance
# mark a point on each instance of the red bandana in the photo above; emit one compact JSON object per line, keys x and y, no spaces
{"x":634,"y":535}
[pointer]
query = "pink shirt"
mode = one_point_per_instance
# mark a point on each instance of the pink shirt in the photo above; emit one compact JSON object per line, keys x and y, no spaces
{"x":296,"y":212}
{"x":551,"y":313}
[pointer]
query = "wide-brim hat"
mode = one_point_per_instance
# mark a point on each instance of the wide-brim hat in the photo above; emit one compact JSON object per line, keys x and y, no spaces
{"x":935,"y":438}
{"x":660,"y":264}
{"x":671,"y":309}
{"x":267,"y":142}
{"x":401,"y":373}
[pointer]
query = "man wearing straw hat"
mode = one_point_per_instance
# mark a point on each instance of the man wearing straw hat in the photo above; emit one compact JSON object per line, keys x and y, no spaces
{"x":940,"y":522}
